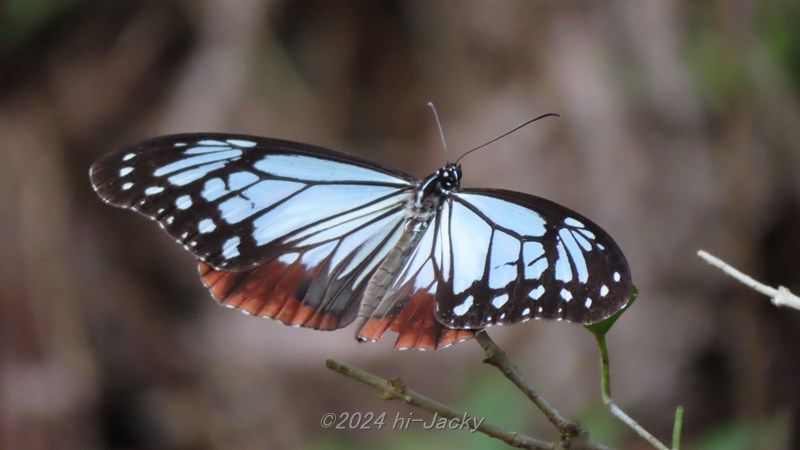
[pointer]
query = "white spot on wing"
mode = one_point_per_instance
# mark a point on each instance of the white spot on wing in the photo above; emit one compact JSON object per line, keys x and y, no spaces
{"x":127,"y":186}
{"x":125,"y":170}
{"x":152,"y":190}
{"x":230,"y":249}
{"x":241,"y":142}
{"x":617,"y":277}
{"x":603,"y":290}
{"x":535,"y":270}
{"x":500,"y":300}
{"x":129,"y":156}
{"x":536,"y":263}
{"x":238,"y":180}
{"x":236,"y":209}
{"x":582,"y":241}
{"x":462,"y":309}
{"x":563,"y":269}
{"x":526,"y":311}
{"x":213,"y":189}
{"x":575,"y":253}
{"x":588,"y":303}
{"x":566,"y":295}
{"x":536,"y":292}
{"x":183,"y":202}
{"x":206,"y":226}
{"x":574,"y":222}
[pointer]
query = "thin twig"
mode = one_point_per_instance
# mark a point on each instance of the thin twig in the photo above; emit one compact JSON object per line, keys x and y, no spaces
{"x":396,"y":390}
{"x":573,"y":436}
{"x":780,"y":297}
{"x":497,"y":357}
{"x":616,"y":411}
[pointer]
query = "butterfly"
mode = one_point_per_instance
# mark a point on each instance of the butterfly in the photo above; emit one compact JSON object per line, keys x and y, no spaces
{"x":318,"y":238}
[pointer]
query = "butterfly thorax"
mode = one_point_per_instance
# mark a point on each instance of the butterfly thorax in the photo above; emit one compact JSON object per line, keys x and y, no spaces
{"x":430,"y":192}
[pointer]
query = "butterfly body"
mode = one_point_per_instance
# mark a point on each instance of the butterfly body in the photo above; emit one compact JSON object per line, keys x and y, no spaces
{"x":420,"y":211}
{"x":317,"y":238}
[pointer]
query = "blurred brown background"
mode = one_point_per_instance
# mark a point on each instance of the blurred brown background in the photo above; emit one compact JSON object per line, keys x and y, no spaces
{"x":680,"y":130}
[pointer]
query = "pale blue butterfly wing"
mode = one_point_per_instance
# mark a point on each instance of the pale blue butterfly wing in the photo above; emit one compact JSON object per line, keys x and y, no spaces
{"x":235,"y":201}
{"x":507,"y":257}
{"x":283,"y":229}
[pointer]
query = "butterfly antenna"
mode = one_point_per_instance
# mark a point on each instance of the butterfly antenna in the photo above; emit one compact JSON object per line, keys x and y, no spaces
{"x":506,"y":134}
{"x":439,"y":126}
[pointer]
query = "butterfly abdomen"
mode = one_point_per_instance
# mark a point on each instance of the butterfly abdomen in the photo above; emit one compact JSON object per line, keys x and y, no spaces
{"x":420,"y":212}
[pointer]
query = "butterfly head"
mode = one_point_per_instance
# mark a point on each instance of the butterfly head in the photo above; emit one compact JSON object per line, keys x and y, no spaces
{"x":449,"y":177}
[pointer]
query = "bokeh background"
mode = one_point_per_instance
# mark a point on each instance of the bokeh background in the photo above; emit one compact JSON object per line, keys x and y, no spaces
{"x":680,"y":130}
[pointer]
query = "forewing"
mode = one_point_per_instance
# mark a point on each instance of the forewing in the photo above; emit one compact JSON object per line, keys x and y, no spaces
{"x":507,"y":257}
{"x":236,"y":201}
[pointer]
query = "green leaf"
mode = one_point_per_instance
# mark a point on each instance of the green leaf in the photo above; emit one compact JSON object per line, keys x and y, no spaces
{"x":601,"y":328}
